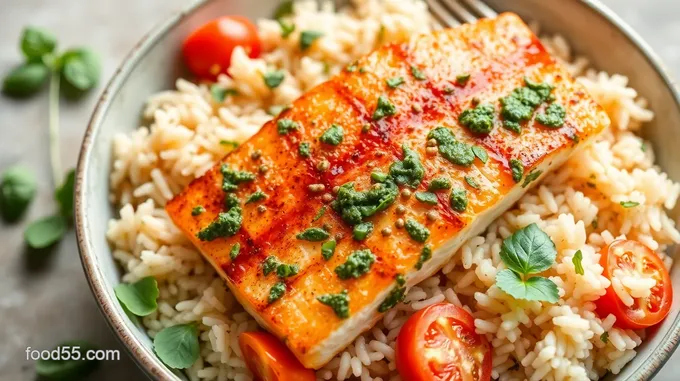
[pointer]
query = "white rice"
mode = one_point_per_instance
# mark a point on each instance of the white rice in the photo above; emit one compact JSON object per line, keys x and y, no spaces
{"x":578,"y":206}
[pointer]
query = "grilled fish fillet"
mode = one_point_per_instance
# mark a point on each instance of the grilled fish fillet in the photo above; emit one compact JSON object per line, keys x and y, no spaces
{"x":443,"y":74}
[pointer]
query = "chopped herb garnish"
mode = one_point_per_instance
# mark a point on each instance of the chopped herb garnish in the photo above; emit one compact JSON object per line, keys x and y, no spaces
{"x":219,"y":93}
{"x":284,"y":270}
{"x":604,"y":337}
{"x":439,"y":183}
{"x":354,"y":205}
{"x":395,"y":296}
{"x":362,"y":230}
{"x":553,"y":117}
{"x":319,"y":214}
{"x":517,"y":169}
{"x":230,"y":200}
{"x":269,"y":265}
{"x":276,"y":292}
{"x":449,"y":89}
{"x":235,"y":250}
{"x":313,"y":234}
{"x":462,"y":78}
{"x":225,"y":225}
{"x":643,"y":147}
{"x":629,"y":204}
{"x":197,"y":210}
{"x":285,"y":126}
{"x":577,"y":260}
{"x":307,"y":38}
{"x":481,"y":153}
{"x":395,"y":82}
{"x":229,"y":143}
{"x":532,"y":176}
{"x":408,"y":171}
{"x":417,"y":74}
{"x":287,"y":27}
{"x":595,"y":224}
{"x":575,"y":138}
{"x":304,"y":150}
{"x":528,"y":251}
{"x":231,"y":179}
{"x":383,"y":108}
{"x":458,"y":199}
{"x":379,"y":177}
{"x":416,"y":230}
{"x":274,"y":78}
{"x":427,"y":197}
{"x":256,"y":196}
{"x":338,"y":302}
{"x":351,"y":68}
{"x":471,"y":182}
{"x":425,"y":256}
{"x":327,"y":249}
{"x":358,"y":263}
{"x":479,"y":119}
{"x":450,"y":148}
{"x":520,"y":105}
{"x":362,"y":70}
{"x":333,"y":135}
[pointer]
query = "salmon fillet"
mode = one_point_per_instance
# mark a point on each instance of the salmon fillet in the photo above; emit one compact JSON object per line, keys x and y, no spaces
{"x":397,"y":160}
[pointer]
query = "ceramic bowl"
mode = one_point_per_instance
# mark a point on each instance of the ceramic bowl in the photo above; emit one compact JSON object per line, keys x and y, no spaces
{"x":154,"y":64}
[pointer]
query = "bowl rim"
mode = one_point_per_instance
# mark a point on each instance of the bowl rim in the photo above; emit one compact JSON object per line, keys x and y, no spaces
{"x":143,"y":356}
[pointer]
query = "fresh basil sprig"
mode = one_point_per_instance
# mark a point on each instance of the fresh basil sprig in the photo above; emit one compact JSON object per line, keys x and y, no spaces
{"x":526,"y":252}
{"x":17,"y":189}
{"x":177,"y":346}
{"x":139,"y":297}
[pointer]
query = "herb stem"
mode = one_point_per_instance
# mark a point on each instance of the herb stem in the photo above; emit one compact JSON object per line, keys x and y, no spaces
{"x":55,"y":155}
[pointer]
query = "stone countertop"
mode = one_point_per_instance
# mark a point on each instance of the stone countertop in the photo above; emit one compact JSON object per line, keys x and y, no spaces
{"x":45,"y":300}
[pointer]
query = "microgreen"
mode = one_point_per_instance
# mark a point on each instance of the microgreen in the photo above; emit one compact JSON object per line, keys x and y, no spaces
{"x":177,"y":346}
{"x":139,"y":297}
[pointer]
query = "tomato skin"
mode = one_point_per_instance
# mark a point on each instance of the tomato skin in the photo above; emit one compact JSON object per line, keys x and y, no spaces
{"x":610,"y":303}
{"x":207,"y":50}
{"x":411,"y":342}
{"x":269,"y":359}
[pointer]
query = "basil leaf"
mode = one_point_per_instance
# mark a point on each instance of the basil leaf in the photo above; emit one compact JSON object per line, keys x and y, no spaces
{"x":528,"y":250}
{"x":45,"y":231}
{"x":81,"y":69}
{"x":427,"y":197}
{"x":577,"y":261}
{"x":480,"y":153}
{"x":25,"y":79}
{"x":64,"y":195}
{"x":72,"y":364}
{"x":17,"y":190}
{"x":139,"y":297}
{"x":177,"y":346}
{"x":534,"y":288}
{"x":37,"y":42}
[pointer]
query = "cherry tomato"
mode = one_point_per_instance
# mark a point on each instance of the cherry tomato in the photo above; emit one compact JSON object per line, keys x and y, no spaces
{"x":629,"y":255}
{"x":269,"y":360}
{"x":207,"y":50}
{"x":439,"y":342}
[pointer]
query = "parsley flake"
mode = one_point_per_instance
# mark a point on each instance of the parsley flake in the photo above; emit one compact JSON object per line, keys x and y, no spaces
{"x":333,"y":135}
{"x":458,"y":199}
{"x":276,"y":292}
{"x":235,"y":250}
{"x":417,"y":231}
{"x":395,"y":82}
{"x":417,"y":74}
{"x":328,"y":249}
{"x":285,"y":126}
{"x":517,"y":169}
{"x":274,"y":79}
{"x":338,"y":302}
{"x":577,"y":260}
{"x":629,"y":204}
{"x":409,"y":171}
{"x":313,"y":234}
{"x":304,"y":150}
{"x":358,"y":263}
{"x":425,"y":256}
{"x":384,"y":108}
{"x":307,"y":38}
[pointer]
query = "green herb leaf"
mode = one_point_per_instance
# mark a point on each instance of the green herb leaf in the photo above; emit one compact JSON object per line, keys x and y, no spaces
{"x":517,"y":169}
{"x":417,"y":74}
{"x":451,"y":149}
{"x":269,"y":265}
{"x":327,"y":249}
{"x":604,"y":337}
{"x":338,"y":302}
{"x":480,"y":153}
{"x":26,"y":79}
{"x":287,"y":27}
{"x":36,"y":43}
{"x":410,"y":170}
{"x":81,"y":68}
{"x":235,"y":251}
{"x":285,"y":8}
{"x":462,"y":79}
{"x":274,"y":79}
{"x":77,"y":367}
{"x":395,"y":296}
{"x":284,"y":270}
{"x":471,"y":182}
{"x":362,"y":230}
{"x":319,"y":214}
{"x":177,"y":346}
{"x":528,"y":250}
{"x":256,"y":196}
{"x":458,"y":200}
{"x":304,"y":150}
{"x":139,"y":297}
{"x":354,"y":205}
{"x":64,"y":195}
{"x":225,"y":225}
{"x":333,"y":135}
{"x":395,"y":82}
{"x":425,"y":256}
{"x":427,"y":197}
{"x":384,"y":108}
{"x":229,"y":143}
{"x":45,"y":232}
{"x":197,"y":210}
{"x":17,"y":190}
{"x":313,"y":234}
{"x":416,"y":230}
{"x":577,"y":260}
{"x":629,"y":204}
{"x":439,"y":183}
{"x":379,"y":177}
{"x":276,"y":292}
{"x":285,"y":126}
{"x":534,"y":288}
{"x":219,"y":93}
{"x":358,"y":263}
{"x":307,"y":38}
{"x":532,"y":176}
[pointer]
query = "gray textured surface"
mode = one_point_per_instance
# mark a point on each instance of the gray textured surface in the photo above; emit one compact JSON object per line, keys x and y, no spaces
{"x":48,"y":301}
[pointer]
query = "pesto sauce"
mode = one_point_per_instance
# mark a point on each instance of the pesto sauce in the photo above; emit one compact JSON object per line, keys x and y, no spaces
{"x":276,"y":292}
{"x":304,"y":150}
{"x":362,"y":230}
{"x":231,"y":179}
{"x":425,"y":255}
{"x":285,"y":126}
{"x":533,"y":175}
{"x":328,"y":249}
{"x":409,"y":171}
{"x":230,"y":200}
{"x":520,"y":105}
{"x":458,"y":199}
{"x":416,"y":230}
{"x":384,"y":108}
{"x":395,"y":296}
{"x":197,"y":210}
{"x":517,"y":169}
{"x":358,"y":263}
{"x":479,"y":119}
{"x":354,"y":206}
{"x":235,"y":250}
{"x":256,"y":196}
{"x":338,"y":302}
{"x":450,"y":148}
{"x":439,"y":183}
{"x":553,"y":116}
{"x":313,"y":234}
{"x":395,"y":82}
{"x":225,"y":225}
{"x":333,"y":135}
{"x":269,"y":265}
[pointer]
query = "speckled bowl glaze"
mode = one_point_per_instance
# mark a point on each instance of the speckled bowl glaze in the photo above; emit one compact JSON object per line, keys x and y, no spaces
{"x":154,"y":64}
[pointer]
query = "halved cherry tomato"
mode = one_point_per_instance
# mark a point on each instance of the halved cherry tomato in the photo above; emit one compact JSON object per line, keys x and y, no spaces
{"x":630,"y":255}
{"x":207,"y":50}
{"x":269,"y":360}
{"x":439,"y":342}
